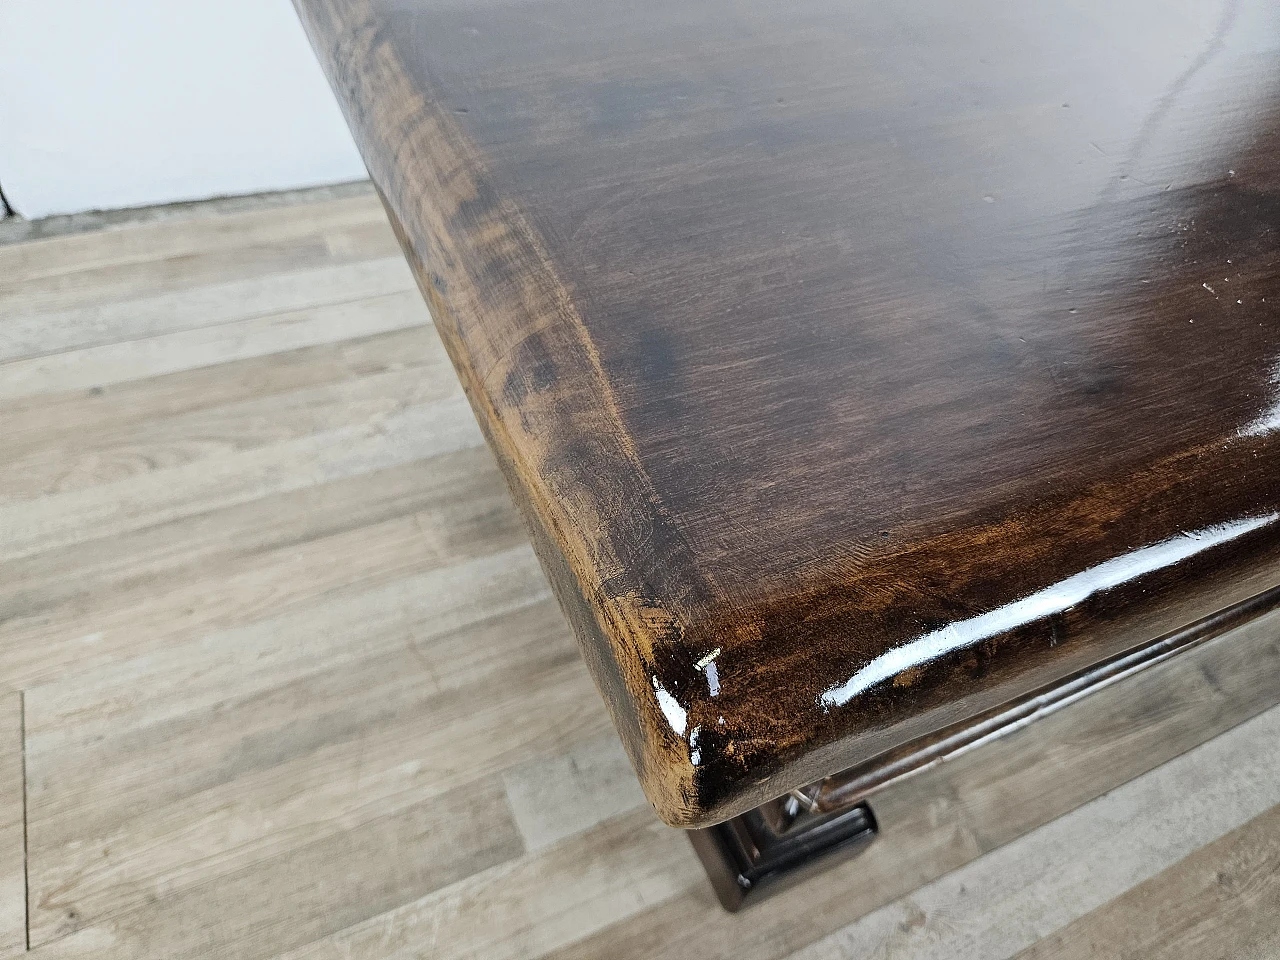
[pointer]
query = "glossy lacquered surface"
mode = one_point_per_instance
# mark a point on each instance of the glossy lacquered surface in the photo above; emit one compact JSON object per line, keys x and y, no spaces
{"x":859,"y":367}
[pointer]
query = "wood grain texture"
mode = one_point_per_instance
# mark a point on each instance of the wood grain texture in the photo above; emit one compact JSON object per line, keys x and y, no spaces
{"x":227,"y":647}
{"x":1221,"y":901}
{"x":893,"y":363}
{"x":344,"y":717}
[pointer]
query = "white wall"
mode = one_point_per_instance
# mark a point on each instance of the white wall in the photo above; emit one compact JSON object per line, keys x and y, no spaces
{"x":120,"y":103}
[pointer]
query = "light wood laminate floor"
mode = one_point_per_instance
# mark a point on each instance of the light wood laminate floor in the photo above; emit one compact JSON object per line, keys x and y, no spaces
{"x":280,"y":676}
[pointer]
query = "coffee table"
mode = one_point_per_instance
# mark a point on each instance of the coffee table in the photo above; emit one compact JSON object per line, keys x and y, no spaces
{"x":874,"y":379}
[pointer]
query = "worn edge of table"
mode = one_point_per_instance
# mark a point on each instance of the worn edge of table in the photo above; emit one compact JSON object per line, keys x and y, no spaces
{"x":535,"y":382}
{"x":496,"y":267}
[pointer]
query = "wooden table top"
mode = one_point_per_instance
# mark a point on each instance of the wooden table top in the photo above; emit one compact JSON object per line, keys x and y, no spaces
{"x":859,"y":367}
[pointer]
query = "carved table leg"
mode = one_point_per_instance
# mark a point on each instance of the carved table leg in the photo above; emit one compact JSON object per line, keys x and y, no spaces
{"x":775,"y":845}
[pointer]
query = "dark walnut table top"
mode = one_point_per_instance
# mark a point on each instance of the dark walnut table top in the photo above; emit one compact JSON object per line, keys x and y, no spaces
{"x":860,"y":367}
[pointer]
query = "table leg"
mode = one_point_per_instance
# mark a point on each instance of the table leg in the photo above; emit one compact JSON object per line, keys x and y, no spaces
{"x":767,"y":849}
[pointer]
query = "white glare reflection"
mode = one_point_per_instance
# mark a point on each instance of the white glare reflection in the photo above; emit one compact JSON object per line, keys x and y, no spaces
{"x":671,"y":709}
{"x":1055,"y":599}
{"x":708,"y":666}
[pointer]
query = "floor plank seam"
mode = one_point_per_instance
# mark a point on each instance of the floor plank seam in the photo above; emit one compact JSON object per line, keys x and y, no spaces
{"x":26,"y":870}
{"x":264,"y":315}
